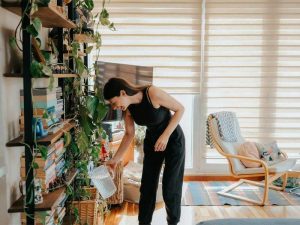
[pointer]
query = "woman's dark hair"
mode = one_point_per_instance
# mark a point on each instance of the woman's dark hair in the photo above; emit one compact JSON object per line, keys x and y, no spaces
{"x":114,"y":85}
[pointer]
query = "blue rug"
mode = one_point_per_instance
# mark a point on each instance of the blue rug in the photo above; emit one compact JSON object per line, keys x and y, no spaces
{"x":205,"y":193}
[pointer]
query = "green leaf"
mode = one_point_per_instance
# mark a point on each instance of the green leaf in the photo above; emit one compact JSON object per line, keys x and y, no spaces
{"x":76,"y":214}
{"x":31,"y":30}
{"x":42,"y":2}
{"x":85,"y":121}
{"x":35,"y":165}
{"x":46,"y":70}
{"x":112,"y":27}
{"x":37,"y":23}
{"x":92,"y":103}
{"x":67,"y":139}
{"x":89,"y":49}
{"x":82,"y":142}
{"x":88,"y":4}
{"x":103,"y":135}
{"x":12,"y":42}
{"x":79,"y":66}
{"x":45,"y":115}
{"x":47,"y":56}
{"x":75,"y":46}
{"x":36,"y":69}
{"x":54,"y":49}
{"x":34,"y":8}
{"x":102,"y":110}
{"x":43,"y":150}
{"x":74,"y":149}
{"x":104,"y":14}
{"x":35,"y":27}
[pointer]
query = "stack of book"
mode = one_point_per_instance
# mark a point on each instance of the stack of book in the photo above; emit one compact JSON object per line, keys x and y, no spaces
{"x":60,"y":210}
{"x":46,"y":171}
{"x":60,"y":102}
{"x":44,"y":107}
{"x":49,"y":169}
{"x":59,"y":158}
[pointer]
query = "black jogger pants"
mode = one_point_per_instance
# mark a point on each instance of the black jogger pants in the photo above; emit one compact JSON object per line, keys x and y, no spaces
{"x":174,"y":158}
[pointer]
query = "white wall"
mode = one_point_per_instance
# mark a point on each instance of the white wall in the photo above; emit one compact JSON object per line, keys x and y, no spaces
{"x":9,"y":128}
{"x":9,"y":118}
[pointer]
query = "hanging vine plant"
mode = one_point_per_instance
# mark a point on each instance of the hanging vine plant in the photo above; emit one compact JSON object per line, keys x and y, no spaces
{"x":84,"y":145}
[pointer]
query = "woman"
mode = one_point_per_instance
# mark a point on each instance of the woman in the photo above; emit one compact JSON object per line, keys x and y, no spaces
{"x":164,"y":142}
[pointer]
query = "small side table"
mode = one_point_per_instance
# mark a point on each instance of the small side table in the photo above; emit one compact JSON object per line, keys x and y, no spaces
{"x":295,"y":174}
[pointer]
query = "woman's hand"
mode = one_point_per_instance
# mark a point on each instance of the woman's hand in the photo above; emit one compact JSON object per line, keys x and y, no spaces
{"x":112,"y":164}
{"x":161,"y":143}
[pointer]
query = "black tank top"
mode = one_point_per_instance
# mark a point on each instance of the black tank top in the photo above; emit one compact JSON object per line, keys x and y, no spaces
{"x":145,"y":114}
{"x":156,"y":120}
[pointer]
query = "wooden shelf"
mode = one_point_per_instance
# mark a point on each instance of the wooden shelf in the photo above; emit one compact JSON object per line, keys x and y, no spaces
{"x":48,"y":140}
{"x":50,"y":16}
{"x":71,"y":176}
{"x":83,"y":38}
{"x":63,"y":75}
{"x":50,"y":201}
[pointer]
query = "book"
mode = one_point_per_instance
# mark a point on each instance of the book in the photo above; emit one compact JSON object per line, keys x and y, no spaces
{"x":44,"y":164}
{"x":41,"y":104}
{"x":41,"y":172}
{"x":39,"y":91}
{"x":41,"y":111}
{"x":41,"y":98}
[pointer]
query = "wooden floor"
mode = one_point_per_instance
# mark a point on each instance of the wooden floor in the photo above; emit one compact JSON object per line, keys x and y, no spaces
{"x":127,"y":213}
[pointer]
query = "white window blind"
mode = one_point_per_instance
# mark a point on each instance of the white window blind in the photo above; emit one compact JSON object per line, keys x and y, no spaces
{"x":164,"y":34}
{"x":252,"y":67}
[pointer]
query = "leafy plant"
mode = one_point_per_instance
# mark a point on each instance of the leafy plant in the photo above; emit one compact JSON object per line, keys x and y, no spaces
{"x":84,"y":144}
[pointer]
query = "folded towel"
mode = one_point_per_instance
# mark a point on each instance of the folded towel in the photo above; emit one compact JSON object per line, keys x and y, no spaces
{"x":226,"y":126}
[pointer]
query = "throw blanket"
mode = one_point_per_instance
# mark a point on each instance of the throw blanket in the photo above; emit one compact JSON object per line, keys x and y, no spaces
{"x":226,"y":125}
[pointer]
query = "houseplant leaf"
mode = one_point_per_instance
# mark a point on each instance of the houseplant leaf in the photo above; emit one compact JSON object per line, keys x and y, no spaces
{"x":92,"y":103}
{"x":102,"y":110}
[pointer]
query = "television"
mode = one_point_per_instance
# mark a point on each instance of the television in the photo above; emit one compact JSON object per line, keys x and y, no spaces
{"x":139,"y":75}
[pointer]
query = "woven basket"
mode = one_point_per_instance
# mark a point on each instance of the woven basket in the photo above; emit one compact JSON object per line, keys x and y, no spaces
{"x":117,"y":197}
{"x":87,"y":209}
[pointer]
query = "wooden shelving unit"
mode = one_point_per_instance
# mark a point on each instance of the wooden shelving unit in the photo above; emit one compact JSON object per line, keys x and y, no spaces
{"x":50,"y":16}
{"x":50,"y":200}
{"x":63,"y":75}
{"x":48,"y":140}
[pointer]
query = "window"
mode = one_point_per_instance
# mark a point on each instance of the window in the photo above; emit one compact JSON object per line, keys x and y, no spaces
{"x":165,"y":35}
{"x":241,"y":55}
{"x":252,"y":67}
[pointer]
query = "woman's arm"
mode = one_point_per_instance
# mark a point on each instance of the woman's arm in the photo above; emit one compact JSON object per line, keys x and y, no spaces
{"x":127,"y":139}
{"x":160,"y":98}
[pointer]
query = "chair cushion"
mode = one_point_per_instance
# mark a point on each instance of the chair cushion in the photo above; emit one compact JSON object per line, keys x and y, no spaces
{"x":269,"y":152}
{"x":248,"y":149}
{"x":279,"y":167}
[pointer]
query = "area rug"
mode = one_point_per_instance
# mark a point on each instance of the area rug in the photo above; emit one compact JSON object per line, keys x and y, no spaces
{"x":205,"y":193}
{"x":247,"y":221}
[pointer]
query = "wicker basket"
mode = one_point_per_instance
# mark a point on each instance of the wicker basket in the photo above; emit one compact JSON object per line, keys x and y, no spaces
{"x":117,"y":197}
{"x":88,"y":209}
